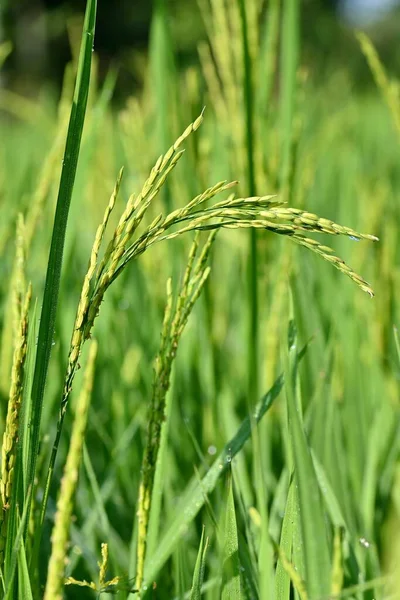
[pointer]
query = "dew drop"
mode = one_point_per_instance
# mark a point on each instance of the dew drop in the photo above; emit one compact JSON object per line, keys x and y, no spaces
{"x":354,"y":238}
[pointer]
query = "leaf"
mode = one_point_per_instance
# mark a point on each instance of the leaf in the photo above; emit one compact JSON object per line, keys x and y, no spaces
{"x":198,"y":575}
{"x":197,"y":491}
{"x":15,"y":555}
{"x":24,"y":584}
{"x":282,"y":579}
{"x":231,"y":584}
{"x":314,"y":536}
{"x":53,"y":275}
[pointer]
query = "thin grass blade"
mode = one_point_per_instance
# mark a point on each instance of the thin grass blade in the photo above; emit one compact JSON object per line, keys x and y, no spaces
{"x":52,"y":284}
{"x":314,"y":535}
{"x":231,"y":584}
{"x":198,"y":575}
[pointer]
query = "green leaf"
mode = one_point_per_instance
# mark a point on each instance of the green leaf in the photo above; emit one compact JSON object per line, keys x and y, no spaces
{"x":16,"y":550}
{"x":337,"y":517}
{"x":198,"y":575}
{"x":24,"y":584}
{"x":197,"y":491}
{"x":314,"y":536}
{"x":53,"y":275}
{"x":231,"y":584}
{"x":282,"y":579}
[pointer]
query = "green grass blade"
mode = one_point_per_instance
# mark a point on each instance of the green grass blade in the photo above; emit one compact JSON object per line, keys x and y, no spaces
{"x":197,"y":493}
{"x":282,"y":579}
{"x":289,"y":60}
{"x":24,"y":584}
{"x":337,"y":517}
{"x":102,"y":523}
{"x":314,"y":536}
{"x":14,"y":559}
{"x":52,"y":284}
{"x":332,"y":504}
{"x":381,"y":436}
{"x":231,"y":584}
{"x":198,"y":575}
{"x":253,"y":341}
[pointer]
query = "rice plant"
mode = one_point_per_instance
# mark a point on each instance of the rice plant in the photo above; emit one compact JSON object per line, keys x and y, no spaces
{"x":259,"y":457}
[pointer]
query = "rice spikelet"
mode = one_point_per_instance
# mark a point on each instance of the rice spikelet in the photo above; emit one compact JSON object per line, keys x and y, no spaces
{"x":10,"y":436}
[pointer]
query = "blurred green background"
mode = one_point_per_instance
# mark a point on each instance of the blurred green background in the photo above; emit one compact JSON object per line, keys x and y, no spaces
{"x":42,"y":32}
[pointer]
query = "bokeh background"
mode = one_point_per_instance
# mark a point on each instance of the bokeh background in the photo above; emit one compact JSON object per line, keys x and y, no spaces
{"x":41,"y":33}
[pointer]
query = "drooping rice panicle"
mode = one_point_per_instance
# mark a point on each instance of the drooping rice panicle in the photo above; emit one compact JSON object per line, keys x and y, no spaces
{"x":263,"y":212}
{"x":126,"y":244}
{"x":337,"y":262}
{"x":246,"y":213}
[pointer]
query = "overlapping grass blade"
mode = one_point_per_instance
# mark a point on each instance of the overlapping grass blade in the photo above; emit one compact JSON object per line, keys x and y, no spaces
{"x":24,"y":582}
{"x":21,"y":523}
{"x":314,"y":535}
{"x":197,"y":492}
{"x":198,"y":575}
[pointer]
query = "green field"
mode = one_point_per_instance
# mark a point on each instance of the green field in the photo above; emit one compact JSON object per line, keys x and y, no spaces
{"x":185,"y":336}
